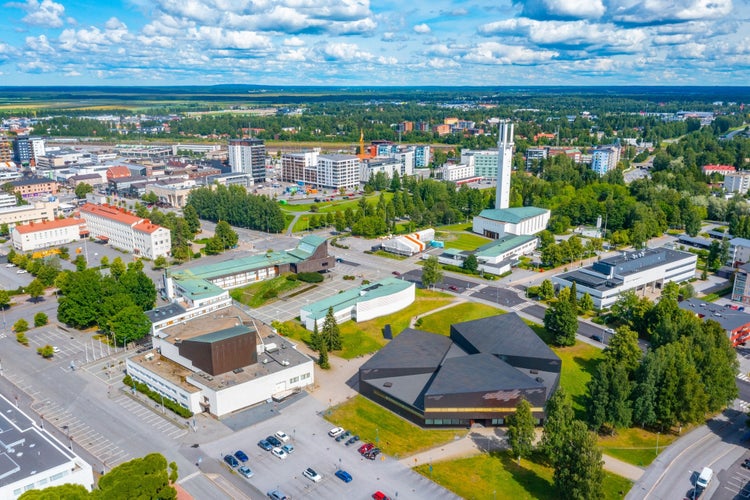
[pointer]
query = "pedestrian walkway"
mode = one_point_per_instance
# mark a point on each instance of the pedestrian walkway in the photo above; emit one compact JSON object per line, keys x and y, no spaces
{"x":413,"y":321}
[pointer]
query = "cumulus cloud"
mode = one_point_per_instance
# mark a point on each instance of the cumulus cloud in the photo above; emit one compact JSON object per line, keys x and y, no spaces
{"x":561,"y":9}
{"x":345,"y":52}
{"x":421,"y":29}
{"x":219,"y":38}
{"x":93,"y":39}
{"x":497,"y":53}
{"x":46,"y":13}
{"x":650,"y":11}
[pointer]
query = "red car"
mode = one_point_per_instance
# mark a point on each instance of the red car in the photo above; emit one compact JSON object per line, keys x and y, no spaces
{"x":365,"y":448}
{"x":379,"y":495}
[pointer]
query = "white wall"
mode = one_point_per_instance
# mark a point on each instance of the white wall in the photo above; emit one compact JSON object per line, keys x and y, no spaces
{"x":381,"y":306}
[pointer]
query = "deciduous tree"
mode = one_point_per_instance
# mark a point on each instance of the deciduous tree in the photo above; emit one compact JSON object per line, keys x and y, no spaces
{"x":557,"y":426}
{"x":521,"y":430}
{"x":578,"y":470}
{"x":431,"y":272}
{"x":561,"y":321}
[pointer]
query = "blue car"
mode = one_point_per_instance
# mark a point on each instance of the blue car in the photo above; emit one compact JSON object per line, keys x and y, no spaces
{"x":241,"y":456}
{"x":265,"y":445}
{"x":231,"y":461}
{"x":344,"y":476}
{"x":288,"y":448}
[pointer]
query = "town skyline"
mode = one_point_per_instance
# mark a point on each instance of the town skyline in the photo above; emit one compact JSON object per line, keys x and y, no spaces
{"x":360,"y":43}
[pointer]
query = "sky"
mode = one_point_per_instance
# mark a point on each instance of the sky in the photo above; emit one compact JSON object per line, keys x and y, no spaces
{"x":378,"y":43}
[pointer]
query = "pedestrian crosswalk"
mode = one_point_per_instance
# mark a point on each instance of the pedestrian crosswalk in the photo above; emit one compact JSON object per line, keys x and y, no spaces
{"x":743,"y":376}
{"x":742,"y":405}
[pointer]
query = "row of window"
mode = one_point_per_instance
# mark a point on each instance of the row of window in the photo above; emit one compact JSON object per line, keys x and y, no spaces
{"x":294,"y":380}
{"x":40,"y":484}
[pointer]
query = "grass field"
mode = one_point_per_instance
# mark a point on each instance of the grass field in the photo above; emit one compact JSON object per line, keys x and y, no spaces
{"x":636,"y":446}
{"x":367,"y":337}
{"x":452,"y":228}
{"x":498,"y":476}
{"x":389,"y":255}
{"x":463,"y":241}
{"x":441,"y":321}
{"x":394,"y":435}
{"x":261,"y":293}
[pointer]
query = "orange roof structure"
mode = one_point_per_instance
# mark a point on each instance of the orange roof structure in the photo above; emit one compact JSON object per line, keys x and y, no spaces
{"x":118,"y":172}
{"x":146,"y":227}
{"x":118,"y":214}
{"x":33,"y":227}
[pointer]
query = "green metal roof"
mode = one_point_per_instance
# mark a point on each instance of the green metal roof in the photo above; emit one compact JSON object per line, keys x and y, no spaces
{"x":512,"y":215}
{"x":349,"y":298}
{"x":196,"y":288}
{"x":227,"y":333}
{"x":234,"y":266}
{"x":502,"y":245}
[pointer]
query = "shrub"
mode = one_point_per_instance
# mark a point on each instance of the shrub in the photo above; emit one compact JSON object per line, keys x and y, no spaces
{"x":40,"y":319}
{"x":291,"y":277}
{"x":310,"y":277}
{"x":156,"y":397}
{"x":21,"y":326}
{"x":349,"y":277}
{"x":46,"y":352}
{"x":22,"y":339}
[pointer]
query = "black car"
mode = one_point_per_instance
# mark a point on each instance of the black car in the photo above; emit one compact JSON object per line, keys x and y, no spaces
{"x":746,"y":463}
{"x":343,"y":436}
{"x":231,"y":461}
{"x":596,"y":337}
{"x":352,"y":440}
{"x":372,"y":454}
{"x":274,"y":441}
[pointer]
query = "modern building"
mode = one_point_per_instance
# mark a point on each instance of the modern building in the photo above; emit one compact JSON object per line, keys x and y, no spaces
{"x":455,"y":173}
{"x":361,"y":304}
{"x":338,"y":171}
{"x":6,"y":149}
{"x":484,"y":162}
{"x":211,"y":280}
{"x":519,"y":221}
{"x":496,"y":257}
{"x":476,"y":375}
{"x":605,"y":158}
{"x":737,"y":182}
{"x":22,"y":152}
{"x":422,"y":156}
{"x":36,"y":212}
{"x":172,"y":192}
{"x":409,"y":244}
{"x":33,"y":459}
{"x":126,"y":231}
{"x":606,"y":280}
{"x":248,"y":156}
{"x":370,"y":167}
{"x":7,"y":200}
{"x":300,"y":167}
{"x":37,"y":235}
{"x":739,"y":251}
{"x":741,"y":288}
{"x":735,"y":322}
{"x":220,"y":363}
{"x":534,"y":156}
{"x":32,"y":187}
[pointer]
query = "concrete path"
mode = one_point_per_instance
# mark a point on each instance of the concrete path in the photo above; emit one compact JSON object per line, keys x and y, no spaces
{"x":433,"y":311}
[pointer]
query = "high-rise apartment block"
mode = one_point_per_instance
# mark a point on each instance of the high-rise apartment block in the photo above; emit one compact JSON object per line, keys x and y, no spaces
{"x":248,"y":156}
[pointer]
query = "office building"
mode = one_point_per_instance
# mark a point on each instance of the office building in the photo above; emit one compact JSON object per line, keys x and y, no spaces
{"x":128,"y":232}
{"x":22,"y":152}
{"x":248,"y":156}
{"x":338,"y":171}
{"x":35,"y":187}
{"x":38,"y":235}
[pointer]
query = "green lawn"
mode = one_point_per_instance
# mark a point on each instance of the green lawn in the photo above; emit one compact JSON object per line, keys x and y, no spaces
{"x":396,"y":436}
{"x":636,"y":446}
{"x":463,"y":241}
{"x":463,"y":226}
{"x":257,"y":294}
{"x":389,"y":255}
{"x":441,"y":321}
{"x":498,"y":476}
{"x":367,"y":337}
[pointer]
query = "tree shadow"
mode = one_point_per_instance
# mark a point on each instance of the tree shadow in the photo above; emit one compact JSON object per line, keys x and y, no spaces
{"x":528,"y":479}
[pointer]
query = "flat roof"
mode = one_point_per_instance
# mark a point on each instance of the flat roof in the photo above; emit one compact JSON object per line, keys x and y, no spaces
{"x":729,"y":319}
{"x":172,"y":310}
{"x":223,"y":319}
{"x":26,"y":449}
{"x":232,"y":266}
{"x":348,"y":298}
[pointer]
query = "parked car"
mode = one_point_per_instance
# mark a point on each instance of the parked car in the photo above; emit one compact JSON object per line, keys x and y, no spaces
{"x":344,"y":476}
{"x":277,"y":495}
{"x":265,"y":445}
{"x":241,"y":456}
{"x":279,"y":453}
{"x":396,"y":273}
{"x":21,"y":271}
{"x":289,"y":448}
{"x":372,"y":454}
{"x":596,"y":337}
{"x":379,"y":495}
{"x":365,"y":448}
{"x":231,"y":461}
{"x":343,"y":436}
{"x":352,"y":440}
{"x":335,"y":432}
{"x":245,"y":471}
{"x":746,"y":463}
{"x":273,"y":441}
{"x":313,"y":476}
{"x":281,"y":435}
{"x":453,"y":288}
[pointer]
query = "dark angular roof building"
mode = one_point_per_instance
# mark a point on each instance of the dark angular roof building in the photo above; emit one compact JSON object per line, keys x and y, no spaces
{"x":477,"y":375}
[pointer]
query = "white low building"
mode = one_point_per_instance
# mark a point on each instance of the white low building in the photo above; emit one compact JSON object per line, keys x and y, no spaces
{"x":45,"y":234}
{"x":606,"y":280}
{"x":361,"y":304}
{"x":496,"y":257}
{"x":221,"y":363}
{"x":409,"y":244}
{"x":455,"y":173}
{"x":126,"y":231}
{"x":495,"y":223}
{"x":36,"y":212}
{"x":31,"y":458}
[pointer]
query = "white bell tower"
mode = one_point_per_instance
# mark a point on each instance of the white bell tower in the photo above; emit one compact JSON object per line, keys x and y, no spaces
{"x":504,"y":164}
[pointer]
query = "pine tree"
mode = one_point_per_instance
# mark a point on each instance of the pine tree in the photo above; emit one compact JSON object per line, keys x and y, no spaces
{"x":560,"y":416}
{"x":330,"y":334}
{"x":315,"y":338}
{"x":323,"y":357}
{"x":574,"y":297}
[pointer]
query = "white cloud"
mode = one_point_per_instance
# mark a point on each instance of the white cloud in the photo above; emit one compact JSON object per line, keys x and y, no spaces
{"x":421,"y":29}
{"x":46,"y":14}
{"x":294,"y":42}
{"x":568,"y":9}
{"x":36,"y":67}
{"x":438,"y":63}
{"x":650,"y":11}
{"x":39,"y":44}
{"x":345,"y":52}
{"x":497,"y":53}
{"x":93,"y":39}
{"x":219,"y":38}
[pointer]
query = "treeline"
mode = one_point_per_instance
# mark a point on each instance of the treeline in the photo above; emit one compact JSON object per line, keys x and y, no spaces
{"x":688,"y":372}
{"x":115,"y":303}
{"x":236,"y":206}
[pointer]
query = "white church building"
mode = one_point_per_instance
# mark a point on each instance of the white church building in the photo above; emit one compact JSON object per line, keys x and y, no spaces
{"x":503,"y":220}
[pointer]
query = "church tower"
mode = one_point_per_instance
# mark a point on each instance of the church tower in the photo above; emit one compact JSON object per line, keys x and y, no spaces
{"x":504,"y":164}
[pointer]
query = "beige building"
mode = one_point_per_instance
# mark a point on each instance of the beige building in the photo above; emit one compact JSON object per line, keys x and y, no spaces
{"x":23,"y":214}
{"x":172,"y":192}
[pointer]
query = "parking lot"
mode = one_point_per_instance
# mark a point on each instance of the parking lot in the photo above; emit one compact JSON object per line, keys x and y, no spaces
{"x":314,"y":448}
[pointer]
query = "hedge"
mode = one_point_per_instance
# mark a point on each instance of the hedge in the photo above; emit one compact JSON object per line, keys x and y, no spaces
{"x":156,"y":397}
{"x":310,"y":277}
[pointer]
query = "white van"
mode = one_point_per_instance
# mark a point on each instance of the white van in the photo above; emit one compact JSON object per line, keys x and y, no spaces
{"x":706,"y":475}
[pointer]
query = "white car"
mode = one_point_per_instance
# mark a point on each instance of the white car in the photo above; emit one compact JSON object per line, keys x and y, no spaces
{"x":313,"y":476}
{"x":21,"y":271}
{"x":10,"y":265}
{"x":55,"y":349}
{"x":281,"y":435}
{"x":278,"y":452}
{"x":336,"y":431}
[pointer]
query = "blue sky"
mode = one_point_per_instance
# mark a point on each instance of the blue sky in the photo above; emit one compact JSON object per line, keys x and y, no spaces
{"x":357,"y":42}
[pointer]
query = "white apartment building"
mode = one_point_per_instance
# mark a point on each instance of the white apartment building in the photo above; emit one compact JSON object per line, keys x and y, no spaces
{"x":302,"y":166}
{"x":483,"y":161}
{"x":126,"y":231}
{"x":454,"y":173}
{"x":37,"y":235}
{"x":338,"y":171}
{"x":248,"y":156}
{"x":388,"y":166}
{"x":604,"y":159}
{"x":737,"y":183}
